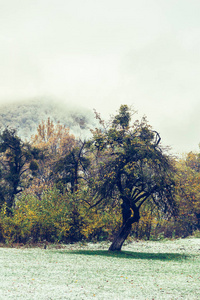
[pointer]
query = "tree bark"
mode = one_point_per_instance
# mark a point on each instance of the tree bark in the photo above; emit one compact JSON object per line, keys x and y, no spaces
{"x":121,"y":237}
{"x":124,"y":232}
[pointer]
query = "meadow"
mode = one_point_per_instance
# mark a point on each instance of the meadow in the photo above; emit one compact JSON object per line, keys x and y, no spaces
{"x":143,"y":270}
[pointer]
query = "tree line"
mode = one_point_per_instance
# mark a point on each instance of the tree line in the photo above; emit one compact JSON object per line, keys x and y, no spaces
{"x":119,"y":182}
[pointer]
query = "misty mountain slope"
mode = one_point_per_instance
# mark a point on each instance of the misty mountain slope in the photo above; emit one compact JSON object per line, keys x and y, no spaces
{"x":26,"y":115}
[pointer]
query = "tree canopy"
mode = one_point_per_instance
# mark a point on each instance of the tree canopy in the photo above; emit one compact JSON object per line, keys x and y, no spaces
{"x":133,"y":167}
{"x":16,"y":159}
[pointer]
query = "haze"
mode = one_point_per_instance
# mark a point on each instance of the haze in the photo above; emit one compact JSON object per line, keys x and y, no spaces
{"x":101,"y":54}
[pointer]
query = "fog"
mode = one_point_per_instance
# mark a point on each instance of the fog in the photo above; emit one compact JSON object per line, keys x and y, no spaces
{"x":101,"y":54}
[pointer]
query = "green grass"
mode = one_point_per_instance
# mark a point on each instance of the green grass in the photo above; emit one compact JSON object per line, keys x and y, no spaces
{"x":143,"y":270}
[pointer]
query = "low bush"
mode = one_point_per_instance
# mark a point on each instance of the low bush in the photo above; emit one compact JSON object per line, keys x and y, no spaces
{"x":55,"y":217}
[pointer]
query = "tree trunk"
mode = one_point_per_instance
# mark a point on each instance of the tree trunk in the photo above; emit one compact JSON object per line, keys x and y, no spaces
{"x":124,"y":232}
{"x":121,"y":237}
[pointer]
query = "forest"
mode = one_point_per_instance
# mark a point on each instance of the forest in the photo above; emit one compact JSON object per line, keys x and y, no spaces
{"x":118,"y":182}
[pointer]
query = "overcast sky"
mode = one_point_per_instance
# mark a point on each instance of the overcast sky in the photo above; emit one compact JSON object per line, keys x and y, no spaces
{"x":104,"y":53}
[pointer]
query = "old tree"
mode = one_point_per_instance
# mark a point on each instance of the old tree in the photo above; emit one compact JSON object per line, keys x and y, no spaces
{"x":131,"y":166}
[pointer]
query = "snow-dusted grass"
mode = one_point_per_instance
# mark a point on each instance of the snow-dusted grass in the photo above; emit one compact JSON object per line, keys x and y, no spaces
{"x":143,"y":270}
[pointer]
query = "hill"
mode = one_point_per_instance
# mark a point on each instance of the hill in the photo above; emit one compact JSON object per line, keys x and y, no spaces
{"x":24,"y":116}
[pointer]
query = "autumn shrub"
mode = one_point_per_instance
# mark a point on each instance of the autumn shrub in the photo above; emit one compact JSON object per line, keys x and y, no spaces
{"x":55,"y":217}
{"x":36,"y":219}
{"x":148,"y":223}
{"x":197,"y":234}
{"x":187,"y":195}
{"x":88,"y":223}
{"x":103,"y":224}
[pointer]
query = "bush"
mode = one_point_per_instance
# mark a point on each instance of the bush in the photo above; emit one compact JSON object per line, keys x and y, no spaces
{"x":55,"y":217}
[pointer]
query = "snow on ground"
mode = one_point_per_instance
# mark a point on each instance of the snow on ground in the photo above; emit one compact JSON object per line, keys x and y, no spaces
{"x":146,"y":270}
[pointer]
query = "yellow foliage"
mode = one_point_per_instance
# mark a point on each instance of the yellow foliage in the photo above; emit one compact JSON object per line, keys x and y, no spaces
{"x":53,"y":137}
{"x":56,"y":217}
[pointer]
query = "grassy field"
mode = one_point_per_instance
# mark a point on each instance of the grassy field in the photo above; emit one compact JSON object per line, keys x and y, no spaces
{"x":143,"y":270}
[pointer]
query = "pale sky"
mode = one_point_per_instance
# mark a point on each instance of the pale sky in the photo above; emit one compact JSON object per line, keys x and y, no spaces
{"x":104,"y":53}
